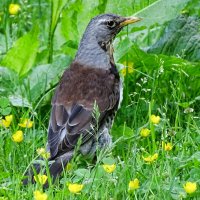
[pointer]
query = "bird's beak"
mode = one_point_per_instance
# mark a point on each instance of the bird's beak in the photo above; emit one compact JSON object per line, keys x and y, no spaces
{"x":130,"y":20}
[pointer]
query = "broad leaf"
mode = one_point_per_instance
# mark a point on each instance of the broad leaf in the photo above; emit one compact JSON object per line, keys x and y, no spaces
{"x":185,"y":42}
{"x":43,"y":77}
{"x":21,"y":56}
{"x":160,"y":12}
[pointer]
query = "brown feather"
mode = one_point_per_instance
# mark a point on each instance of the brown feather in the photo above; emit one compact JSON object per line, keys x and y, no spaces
{"x":85,"y":85}
{"x":80,"y":87}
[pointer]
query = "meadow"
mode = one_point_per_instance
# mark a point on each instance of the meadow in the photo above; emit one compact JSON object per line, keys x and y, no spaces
{"x":155,"y":153}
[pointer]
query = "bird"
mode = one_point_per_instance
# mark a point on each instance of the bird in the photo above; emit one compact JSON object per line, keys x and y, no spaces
{"x":92,"y":81}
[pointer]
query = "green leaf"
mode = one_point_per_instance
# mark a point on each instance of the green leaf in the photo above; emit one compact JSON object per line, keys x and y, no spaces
{"x":19,"y":101}
{"x":185,"y":42}
{"x":21,"y":56}
{"x":192,"y":8}
{"x":82,"y":173}
{"x":5,"y":111}
{"x":4,"y":102}
{"x":122,"y":48}
{"x":109,"y":161}
{"x":43,"y":77}
{"x":196,"y":156}
{"x":186,"y":104}
{"x":122,"y":130}
{"x":152,"y":14}
{"x":195,"y":174}
{"x":57,"y":6}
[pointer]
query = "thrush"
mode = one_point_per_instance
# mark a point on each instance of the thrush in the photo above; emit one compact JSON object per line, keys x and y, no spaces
{"x":92,"y":79}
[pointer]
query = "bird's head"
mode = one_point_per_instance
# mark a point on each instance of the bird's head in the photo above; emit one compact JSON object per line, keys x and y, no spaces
{"x":106,"y":26}
{"x":95,"y":48}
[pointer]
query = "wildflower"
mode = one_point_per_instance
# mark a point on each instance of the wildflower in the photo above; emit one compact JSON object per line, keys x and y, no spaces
{"x":42,"y":152}
{"x":18,"y":136}
{"x":155,"y":119}
{"x":40,"y":195}
{"x":151,"y":158}
{"x":75,"y":188}
{"x":167,"y":146}
{"x":190,"y":187}
{"x":134,"y":184}
{"x":109,"y":168}
{"x":14,"y":9}
{"x":188,"y":110}
{"x":145,"y":132}
{"x":7,"y":121}
{"x":127,"y":69}
{"x":41,"y":179}
{"x":26,"y":123}
{"x":68,"y":167}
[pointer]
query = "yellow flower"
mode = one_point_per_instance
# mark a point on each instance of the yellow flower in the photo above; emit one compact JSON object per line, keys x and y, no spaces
{"x":129,"y":69}
{"x":18,"y":136}
{"x":190,"y":187}
{"x":7,"y":121}
{"x":75,"y":188}
{"x":9,"y":118}
{"x":133,"y":185}
{"x":68,"y":167}
{"x":14,"y":9}
{"x":151,"y":158}
{"x":26,"y":123}
{"x":145,"y":132}
{"x":42,"y":152}
{"x":41,"y":179}
{"x":40,"y":195}
{"x":155,"y":119}
{"x":167,"y":146}
{"x":109,"y":168}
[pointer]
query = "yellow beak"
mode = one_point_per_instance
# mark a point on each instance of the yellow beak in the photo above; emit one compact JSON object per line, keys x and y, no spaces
{"x":130,"y":20}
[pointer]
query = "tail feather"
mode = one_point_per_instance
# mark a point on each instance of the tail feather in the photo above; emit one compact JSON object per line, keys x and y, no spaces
{"x":55,"y":168}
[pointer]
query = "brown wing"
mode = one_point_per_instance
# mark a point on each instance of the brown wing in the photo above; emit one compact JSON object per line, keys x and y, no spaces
{"x":73,"y":102}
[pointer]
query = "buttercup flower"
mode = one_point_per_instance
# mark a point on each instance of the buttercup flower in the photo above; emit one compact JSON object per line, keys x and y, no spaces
{"x":145,"y":132}
{"x":7,"y":121}
{"x":167,"y":146}
{"x":14,"y":9}
{"x":127,"y":69}
{"x":109,"y":168}
{"x":155,"y":119}
{"x":18,"y":136}
{"x":26,"y":123}
{"x":75,"y":188}
{"x":134,"y":184}
{"x":190,"y":187}
{"x":40,"y":195}
{"x":42,"y":152}
{"x":41,"y":179}
{"x":151,"y":158}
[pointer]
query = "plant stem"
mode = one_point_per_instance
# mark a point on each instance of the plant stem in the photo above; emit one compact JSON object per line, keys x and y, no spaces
{"x":51,"y":34}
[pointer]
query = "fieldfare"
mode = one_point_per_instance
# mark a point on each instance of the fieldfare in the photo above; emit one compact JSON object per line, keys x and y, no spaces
{"x":92,"y":79}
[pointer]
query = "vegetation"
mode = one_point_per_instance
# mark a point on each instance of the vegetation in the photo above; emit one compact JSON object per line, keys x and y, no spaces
{"x":156,"y":134}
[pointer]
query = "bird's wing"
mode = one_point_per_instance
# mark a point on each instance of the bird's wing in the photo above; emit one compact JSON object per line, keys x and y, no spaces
{"x":73,"y":102}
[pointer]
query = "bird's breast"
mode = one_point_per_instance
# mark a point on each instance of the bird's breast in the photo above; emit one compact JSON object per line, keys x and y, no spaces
{"x":85,"y":85}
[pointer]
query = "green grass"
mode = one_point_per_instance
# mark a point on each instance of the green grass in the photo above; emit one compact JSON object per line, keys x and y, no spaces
{"x":161,"y":85}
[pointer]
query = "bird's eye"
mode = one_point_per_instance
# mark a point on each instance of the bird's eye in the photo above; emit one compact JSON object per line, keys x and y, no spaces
{"x":111,"y":24}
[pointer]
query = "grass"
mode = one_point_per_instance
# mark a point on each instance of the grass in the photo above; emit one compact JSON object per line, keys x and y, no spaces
{"x":147,"y":91}
{"x":162,"y":179}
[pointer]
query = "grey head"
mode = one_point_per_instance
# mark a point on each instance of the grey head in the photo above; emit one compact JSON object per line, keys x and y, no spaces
{"x":95,"y":48}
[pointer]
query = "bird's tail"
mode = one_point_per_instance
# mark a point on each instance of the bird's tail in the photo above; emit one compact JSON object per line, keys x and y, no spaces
{"x":53,"y":168}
